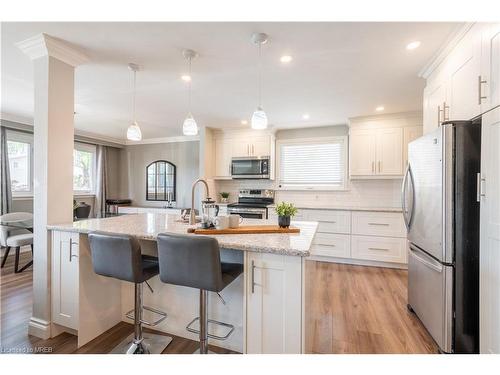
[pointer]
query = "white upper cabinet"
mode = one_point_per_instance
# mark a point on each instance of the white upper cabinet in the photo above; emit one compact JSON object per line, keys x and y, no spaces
{"x":223,"y":155}
{"x":389,"y":152}
{"x":463,"y":72}
{"x":231,"y":144}
{"x":434,"y":104}
{"x":376,"y":152}
{"x":362,"y":148}
{"x":466,"y":83}
{"x":490,"y":67}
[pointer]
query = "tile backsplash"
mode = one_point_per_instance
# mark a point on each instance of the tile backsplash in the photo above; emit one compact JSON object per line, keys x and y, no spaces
{"x":363,"y":193}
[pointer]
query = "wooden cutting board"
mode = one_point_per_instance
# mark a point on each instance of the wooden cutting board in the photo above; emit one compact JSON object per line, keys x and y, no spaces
{"x":246,"y":229}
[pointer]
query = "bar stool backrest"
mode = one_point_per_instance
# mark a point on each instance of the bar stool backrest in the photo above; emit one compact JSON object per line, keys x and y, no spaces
{"x":189,"y":260}
{"x":117,"y":256}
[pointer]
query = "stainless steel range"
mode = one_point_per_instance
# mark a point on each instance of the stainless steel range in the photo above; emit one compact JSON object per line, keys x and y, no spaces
{"x":252,"y":203}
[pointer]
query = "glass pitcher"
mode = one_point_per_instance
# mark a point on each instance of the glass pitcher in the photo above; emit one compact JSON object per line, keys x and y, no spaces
{"x":209,"y":212}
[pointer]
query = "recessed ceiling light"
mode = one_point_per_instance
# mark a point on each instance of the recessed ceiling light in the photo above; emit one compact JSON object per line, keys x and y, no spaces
{"x":244,"y":122}
{"x":413,"y":45}
{"x":380,"y":108}
{"x":186,"y":78}
{"x":285,"y":59}
{"x":305,"y":116}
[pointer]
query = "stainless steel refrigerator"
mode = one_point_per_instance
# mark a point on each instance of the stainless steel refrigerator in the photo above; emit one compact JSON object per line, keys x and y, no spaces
{"x":441,"y":213}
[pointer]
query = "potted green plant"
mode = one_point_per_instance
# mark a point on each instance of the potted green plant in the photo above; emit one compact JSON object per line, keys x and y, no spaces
{"x":224,"y":196}
{"x":285,"y":211}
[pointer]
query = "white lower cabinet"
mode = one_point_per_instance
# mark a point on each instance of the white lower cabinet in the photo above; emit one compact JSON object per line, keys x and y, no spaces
{"x":65,"y":278}
{"x":370,"y":236}
{"x":273,"y":304}
{"x":385,"y":249}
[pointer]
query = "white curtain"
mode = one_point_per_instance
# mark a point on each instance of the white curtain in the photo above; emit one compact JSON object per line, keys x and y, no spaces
{"x":5,"y":185}
{"x":101,"y":181}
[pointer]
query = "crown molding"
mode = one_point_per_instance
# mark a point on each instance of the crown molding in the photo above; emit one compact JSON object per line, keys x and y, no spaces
{"x":150,"y":141}
{"x":445,"y":50}
{"x":387,"y":116}
{"x":45,"y":45}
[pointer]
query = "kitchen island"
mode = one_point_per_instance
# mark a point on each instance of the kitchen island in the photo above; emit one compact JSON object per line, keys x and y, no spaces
{"x":265,"y":304}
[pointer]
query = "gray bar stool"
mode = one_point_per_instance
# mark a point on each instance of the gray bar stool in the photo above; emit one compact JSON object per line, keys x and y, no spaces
{"x":119,"y":256}
{"x":194,"y":261}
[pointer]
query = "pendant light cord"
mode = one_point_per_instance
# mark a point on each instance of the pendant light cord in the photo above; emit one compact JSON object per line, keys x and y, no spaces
{"x":189,"y":87}
{"x":133,"y":101}
{"x":260,"y":74}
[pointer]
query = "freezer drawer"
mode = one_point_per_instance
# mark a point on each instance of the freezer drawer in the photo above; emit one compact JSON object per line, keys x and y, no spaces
{"x":430,"y":295}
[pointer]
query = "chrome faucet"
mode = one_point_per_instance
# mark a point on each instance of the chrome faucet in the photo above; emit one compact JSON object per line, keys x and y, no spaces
{"x":192,"y":214}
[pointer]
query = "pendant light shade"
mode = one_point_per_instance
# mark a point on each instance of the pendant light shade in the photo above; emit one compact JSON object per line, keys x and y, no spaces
{"x":134,"y":131}
{"x":189,"y":127}
{"x":259,"y":117}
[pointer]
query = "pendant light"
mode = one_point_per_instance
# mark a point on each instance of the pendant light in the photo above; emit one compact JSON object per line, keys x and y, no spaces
{"x":259,"y":117}
{"x":189,"y":127}
{"x":134,"y":131}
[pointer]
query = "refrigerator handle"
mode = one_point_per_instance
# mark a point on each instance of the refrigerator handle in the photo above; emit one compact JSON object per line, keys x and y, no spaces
{"x":403,"y":197}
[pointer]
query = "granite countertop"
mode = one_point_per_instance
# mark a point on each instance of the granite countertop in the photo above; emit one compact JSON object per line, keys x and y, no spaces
{"x":348,"y":208}
{"x":147,"y":226}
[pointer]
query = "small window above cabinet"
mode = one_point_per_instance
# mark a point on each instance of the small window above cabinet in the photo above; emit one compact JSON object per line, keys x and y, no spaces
{"x":161,"y":181}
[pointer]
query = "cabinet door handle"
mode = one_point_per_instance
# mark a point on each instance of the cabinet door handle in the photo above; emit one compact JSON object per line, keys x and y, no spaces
{"x":479,"y":191}
{"x":378,"y":248}
{"x":480,"y":82}
{"x":71,"y":250}
{"x":373,"y":166}
{"x":253,"y":277}
{"x":379,"y":166}
{"x":252,"y":151}
{"x":381,"y":224}
{"x":439,"y":115}
{"x":445,"y":118}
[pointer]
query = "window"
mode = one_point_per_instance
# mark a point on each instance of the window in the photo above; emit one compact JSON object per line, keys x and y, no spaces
{"x":19,"y":148}
{"x":313,"y":164}
{"x":160,"y":181}
{"x":84,"y":167}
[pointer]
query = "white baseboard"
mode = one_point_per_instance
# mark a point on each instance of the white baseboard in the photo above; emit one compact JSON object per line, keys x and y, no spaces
{"x":357,"y":262}
{"x":39,"y":328}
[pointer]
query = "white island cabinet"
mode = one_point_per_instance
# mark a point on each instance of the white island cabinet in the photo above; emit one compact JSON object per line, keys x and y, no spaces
{"x":274,"y":304}
{"x":265,"y":304}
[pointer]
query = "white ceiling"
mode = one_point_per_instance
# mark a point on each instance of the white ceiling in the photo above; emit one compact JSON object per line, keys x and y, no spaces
{"x":339,"y":70}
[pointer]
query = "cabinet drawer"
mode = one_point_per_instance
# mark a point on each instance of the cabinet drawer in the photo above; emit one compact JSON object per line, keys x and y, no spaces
{"x":388,"y":224}
{"x":383,"y":249}
{"x":331,"y":221}
{"x":333,"y":245}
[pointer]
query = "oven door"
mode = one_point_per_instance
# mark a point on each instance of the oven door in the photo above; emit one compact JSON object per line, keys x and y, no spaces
{"x":250,"y":168}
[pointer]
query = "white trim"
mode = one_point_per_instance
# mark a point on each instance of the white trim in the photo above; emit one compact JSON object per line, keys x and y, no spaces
{"x":45,"y":45}
{"x":97,"y":137}
{"x":39,"y":328}
{"x":357,"y":262}
{"x":445,"y":50}
{"x":387,"y":116}
{"x":21,"y":137}
{"x":314,"y":140}
{"x":149,"y":141}
{"x":16,"y":118}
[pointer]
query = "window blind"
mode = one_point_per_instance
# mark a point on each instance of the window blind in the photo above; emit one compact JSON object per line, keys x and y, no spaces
{"x":321,"y":163}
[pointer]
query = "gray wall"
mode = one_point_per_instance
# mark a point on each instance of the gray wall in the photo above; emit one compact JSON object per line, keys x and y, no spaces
{"x":185,"y":156}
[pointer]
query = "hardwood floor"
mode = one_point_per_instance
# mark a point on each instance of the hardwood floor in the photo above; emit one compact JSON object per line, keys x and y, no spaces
{"x":356,"y":309}
{"x":349,"y":309}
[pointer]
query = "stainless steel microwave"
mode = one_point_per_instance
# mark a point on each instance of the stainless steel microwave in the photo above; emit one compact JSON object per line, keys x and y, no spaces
{"x":251,"y":167}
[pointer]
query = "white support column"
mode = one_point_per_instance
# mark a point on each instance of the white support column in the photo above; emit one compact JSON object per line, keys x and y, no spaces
{"x":54,"y":62}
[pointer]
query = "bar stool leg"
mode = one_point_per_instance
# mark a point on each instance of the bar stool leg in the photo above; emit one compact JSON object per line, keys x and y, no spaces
{"x":138,"y":343}
{"x":203,"y":322}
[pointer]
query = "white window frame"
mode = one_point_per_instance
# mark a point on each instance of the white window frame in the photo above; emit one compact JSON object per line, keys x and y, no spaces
{"x":86,"y":147}
{"x":305,"y":141}
{"x":17,"y":136}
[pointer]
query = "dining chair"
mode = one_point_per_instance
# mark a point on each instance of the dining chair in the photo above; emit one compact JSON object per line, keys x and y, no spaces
{"x":13,"y":236}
